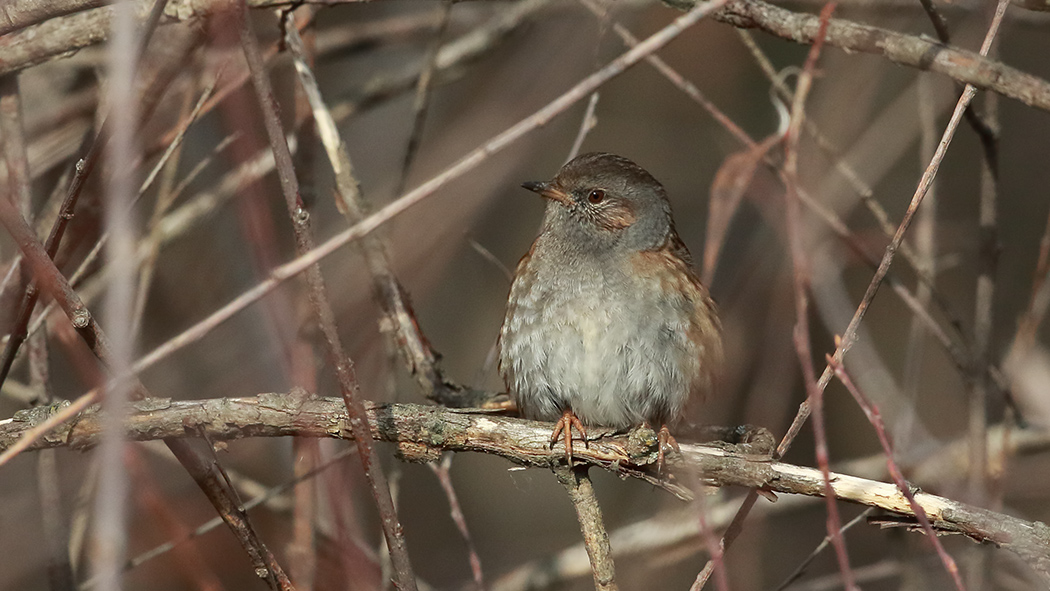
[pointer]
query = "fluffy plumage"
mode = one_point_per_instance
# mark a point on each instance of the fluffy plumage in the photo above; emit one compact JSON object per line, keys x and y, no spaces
{"x":606,"y":318}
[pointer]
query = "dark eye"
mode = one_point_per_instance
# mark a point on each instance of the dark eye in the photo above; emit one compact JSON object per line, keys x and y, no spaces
{"x":596,"y":196}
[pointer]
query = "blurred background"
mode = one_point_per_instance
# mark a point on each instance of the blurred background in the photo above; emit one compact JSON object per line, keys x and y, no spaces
{"x":499,"y":61}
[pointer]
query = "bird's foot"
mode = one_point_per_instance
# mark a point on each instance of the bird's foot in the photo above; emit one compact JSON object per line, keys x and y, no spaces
{"x":564,"y":427}
{"x":665,"y":440}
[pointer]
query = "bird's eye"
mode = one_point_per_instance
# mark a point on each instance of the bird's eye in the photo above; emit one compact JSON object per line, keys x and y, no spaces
{"x":596,"y":196}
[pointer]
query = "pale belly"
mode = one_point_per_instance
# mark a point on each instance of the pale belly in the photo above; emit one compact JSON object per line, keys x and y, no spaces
{"x":614,"y":358}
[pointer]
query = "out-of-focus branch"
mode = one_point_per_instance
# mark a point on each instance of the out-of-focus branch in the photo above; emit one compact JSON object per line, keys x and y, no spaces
{"x":422,"y":433}
{"x":345,"y":371}
{"x":59,"y":36}
{"x":801,"y":280}
{"x":399,"y":320}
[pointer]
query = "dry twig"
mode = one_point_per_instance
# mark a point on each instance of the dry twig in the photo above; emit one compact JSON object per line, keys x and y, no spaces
{"x":344,"y":367}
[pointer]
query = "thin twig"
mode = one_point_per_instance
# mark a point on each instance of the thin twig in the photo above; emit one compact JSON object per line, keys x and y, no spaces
{"x":586,"y":125}
{"x":872,"y":412}
{"x":406,"y":337}
{"x":421,"y":101}
{"x":981,"y":386}
{"x":302,"y":549}
{"x":801,"y":569}
{"x":442,"y":471}
{"x":801,"y":272}
{"x":344,"y":368}
{"x":987,"y":263}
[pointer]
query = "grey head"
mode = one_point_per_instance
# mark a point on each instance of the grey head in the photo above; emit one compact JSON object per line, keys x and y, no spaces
{"x":602,"y":202}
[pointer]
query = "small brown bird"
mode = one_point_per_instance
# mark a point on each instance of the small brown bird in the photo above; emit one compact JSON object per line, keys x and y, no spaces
{"x":607,"y":323}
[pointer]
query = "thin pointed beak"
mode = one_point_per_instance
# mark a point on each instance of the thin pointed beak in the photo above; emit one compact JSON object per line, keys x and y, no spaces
{"x":548,"y":191}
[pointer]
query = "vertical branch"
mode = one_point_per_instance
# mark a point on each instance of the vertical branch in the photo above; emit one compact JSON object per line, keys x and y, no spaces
{"x":988,"y":254}
{"x":302,"y":550}
{"x":306,"y":451}
{"x":344,"y":367}
{"x":595,"y":538}
{"x":925,"y":245}
{"x":109,"y":538}
{"x":406,"y":336}
{"x":13,"y":144}
{"x":815,"y":394}
{"x":987,"y":263}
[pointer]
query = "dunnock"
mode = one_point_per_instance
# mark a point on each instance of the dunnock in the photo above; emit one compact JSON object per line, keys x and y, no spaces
{"x":607,"y":323}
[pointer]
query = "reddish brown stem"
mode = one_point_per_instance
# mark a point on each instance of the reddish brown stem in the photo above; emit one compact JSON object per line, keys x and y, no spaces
{"x":803,"y":348}
{"x":404,"y":578}
{"x":872,"y":412}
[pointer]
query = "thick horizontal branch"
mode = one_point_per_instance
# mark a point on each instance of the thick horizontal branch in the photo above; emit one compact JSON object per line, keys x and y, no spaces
{"x":422,"y":433}
{"x":69,"y":30}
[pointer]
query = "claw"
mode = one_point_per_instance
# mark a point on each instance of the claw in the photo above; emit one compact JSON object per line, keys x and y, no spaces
{"x":563,"y":428}
{"x":665,"y":439}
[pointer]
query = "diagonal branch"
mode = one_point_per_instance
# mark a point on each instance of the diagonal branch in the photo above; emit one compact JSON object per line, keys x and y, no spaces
{"x":404,"y":578}
{"x":404,"y":331}
{"x":801,"y":281}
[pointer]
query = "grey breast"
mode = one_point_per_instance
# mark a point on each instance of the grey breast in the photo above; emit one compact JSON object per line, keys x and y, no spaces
{"x":589,"y":336}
